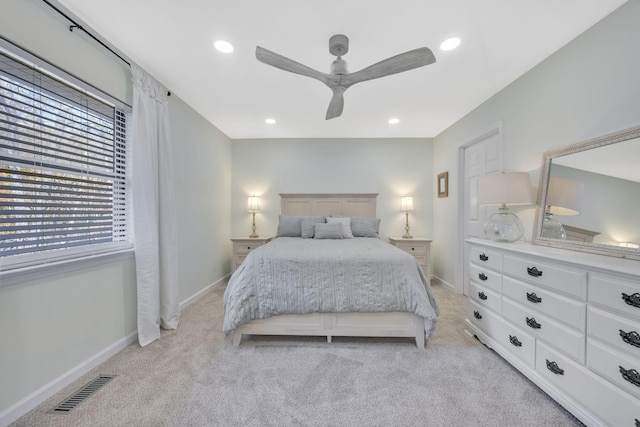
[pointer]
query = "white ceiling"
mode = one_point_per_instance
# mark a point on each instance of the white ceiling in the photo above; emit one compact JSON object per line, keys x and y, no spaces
{"x":173,"y":40}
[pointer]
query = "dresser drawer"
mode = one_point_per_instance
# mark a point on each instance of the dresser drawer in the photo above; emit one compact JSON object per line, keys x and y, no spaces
{"x":568,"y":311}
{"x":514,"y":340}
{"x":614,"y":365}
{"x":555,"y":277}
{"x":485,"y":277}
{"x":601,"y":397}
{"x":568,"y":340}
{"x":617,"y":294}
{"x":487,"y":258}
{"x":619,"y":332}
{"x":485,"y":297}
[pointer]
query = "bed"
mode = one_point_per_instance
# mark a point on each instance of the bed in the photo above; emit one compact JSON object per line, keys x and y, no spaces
{"x":327,"y":285}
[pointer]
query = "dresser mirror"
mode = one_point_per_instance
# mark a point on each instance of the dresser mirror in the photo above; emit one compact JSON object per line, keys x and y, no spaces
{"x":589,"y":198}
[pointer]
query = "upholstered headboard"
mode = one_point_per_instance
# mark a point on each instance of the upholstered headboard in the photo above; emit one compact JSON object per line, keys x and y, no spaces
{"x":330,"y":204}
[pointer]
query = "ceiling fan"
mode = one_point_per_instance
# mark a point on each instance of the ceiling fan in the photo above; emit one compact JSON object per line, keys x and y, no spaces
{"x":340,"y":79}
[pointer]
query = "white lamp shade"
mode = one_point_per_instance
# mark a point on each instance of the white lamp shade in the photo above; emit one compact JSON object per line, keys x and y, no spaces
{"x":512,"y":188}
{"x":564,"y":196}
{"x":253,"y":204}
{"x":406,"y":203}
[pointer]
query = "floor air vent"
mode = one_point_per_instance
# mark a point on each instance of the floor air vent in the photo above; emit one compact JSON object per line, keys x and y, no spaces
{"x":81,"y":395}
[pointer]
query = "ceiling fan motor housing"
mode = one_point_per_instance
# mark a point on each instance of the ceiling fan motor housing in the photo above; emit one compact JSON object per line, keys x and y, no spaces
{"x":339,"y":45}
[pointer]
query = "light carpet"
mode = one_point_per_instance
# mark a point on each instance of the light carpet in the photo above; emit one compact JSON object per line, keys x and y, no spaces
{"x":194,"y":376}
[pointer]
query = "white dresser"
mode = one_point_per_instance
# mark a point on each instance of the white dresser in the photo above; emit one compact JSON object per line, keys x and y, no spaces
{"x":568,"y":321}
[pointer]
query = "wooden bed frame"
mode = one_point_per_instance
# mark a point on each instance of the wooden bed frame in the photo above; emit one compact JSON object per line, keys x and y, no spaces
{"x":393,"y":324}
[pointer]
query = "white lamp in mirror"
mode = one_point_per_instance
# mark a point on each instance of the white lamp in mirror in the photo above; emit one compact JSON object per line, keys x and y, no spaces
{"x":564,"y":198}
{"x":406,"y":205}
{"x":503,"y":189}
{"x":253,"y":206}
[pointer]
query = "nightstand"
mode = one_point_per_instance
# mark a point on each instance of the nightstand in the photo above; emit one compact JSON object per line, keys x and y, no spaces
{"x":418,"y":247}
{"x":243,"y":245}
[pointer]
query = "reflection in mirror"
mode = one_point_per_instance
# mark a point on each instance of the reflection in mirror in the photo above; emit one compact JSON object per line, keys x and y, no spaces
{"x":589,"y":196}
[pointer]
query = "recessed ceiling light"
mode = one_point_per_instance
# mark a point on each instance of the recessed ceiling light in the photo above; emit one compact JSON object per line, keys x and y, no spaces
{"x":270,"y":121}
{"x":394,"y":121}
{"x":450,"y":44}
{"x":223,"y":46}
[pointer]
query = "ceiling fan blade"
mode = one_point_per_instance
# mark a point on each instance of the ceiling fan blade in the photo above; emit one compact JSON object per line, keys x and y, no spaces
{"x":286,"y":64}
{"x":337,"y":103}
{"x":396,"y":64}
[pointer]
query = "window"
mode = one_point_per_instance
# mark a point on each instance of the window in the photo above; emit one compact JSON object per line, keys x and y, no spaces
{"x":63,"y":189}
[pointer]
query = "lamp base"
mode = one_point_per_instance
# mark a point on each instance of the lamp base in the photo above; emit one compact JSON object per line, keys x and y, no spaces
{"x":253,"y":234}
{"x":503,"y":226}
{"x":552,"y":228}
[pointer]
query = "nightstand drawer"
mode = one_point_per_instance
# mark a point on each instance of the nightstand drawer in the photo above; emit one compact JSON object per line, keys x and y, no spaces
{"x":244,"y":248}
{"x":413,"y":248}
{"x":243,"y":245}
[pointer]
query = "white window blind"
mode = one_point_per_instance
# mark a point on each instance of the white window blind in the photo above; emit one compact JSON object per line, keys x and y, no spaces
{"x":63,"y":191}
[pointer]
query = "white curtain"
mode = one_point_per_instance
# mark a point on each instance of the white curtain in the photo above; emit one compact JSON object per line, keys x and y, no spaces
{"x":153,"y":209}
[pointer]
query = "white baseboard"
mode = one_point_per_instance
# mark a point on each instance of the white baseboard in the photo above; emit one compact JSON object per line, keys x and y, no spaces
{"x":43,"y":393}
{"x":437,"y":280}
{"x":195,"y":297}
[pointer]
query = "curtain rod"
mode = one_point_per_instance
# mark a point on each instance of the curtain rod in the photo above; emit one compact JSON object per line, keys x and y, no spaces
{"x":80,"y":27}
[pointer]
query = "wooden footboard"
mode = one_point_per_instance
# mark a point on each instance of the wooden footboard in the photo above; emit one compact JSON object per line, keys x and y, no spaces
{"x":394,"y":324}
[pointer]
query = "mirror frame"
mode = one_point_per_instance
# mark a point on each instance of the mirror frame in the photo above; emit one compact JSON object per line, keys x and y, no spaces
{"x":547,"y":157}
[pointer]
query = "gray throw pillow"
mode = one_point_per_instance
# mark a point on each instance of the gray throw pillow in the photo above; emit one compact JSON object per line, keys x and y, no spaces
{"x":289,"y":226}
{"x":307,"y":225}
{"x":365,"y":227}
{"x":328,"y":231}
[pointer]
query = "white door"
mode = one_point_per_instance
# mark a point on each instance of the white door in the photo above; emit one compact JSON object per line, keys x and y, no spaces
{"x":481,"y":156}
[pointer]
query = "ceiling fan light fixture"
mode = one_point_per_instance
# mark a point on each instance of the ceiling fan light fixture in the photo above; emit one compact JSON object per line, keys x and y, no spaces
{"x":450,"y":43}
{"x":223,"y":46}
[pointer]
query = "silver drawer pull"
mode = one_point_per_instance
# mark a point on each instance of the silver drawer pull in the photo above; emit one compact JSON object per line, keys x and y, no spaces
{"x":630,"y":375}
{"x":477,"y":315}
{"x":553,"y":367}
{"x":531,"y":322}
{"x":533,"y":271}
{"x":533,"y":298}
{"x":631,"y":338}
{"x":482,"y":277}
{"x":482,"y":296}
{"x":483,"y":257}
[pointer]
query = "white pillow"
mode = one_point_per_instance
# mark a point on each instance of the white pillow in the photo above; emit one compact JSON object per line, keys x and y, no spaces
{"x":346,"y":226}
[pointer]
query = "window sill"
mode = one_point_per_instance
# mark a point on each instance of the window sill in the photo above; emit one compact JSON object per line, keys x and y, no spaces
{"x":26,"y":274}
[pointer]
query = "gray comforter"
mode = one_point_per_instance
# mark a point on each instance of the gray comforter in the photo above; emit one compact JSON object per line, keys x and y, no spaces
{"x":294,"y":275}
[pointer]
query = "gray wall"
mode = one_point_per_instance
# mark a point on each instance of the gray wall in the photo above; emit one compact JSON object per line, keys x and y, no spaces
{"x":52,"y":327}
{"x":390,"y":167}
{"x":588,"y":88}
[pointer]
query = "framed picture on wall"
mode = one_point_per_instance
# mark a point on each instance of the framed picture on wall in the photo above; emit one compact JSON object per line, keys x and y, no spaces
{"x":443,"y":184}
